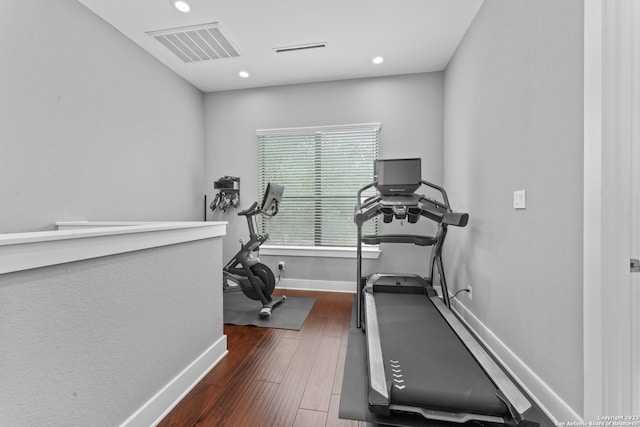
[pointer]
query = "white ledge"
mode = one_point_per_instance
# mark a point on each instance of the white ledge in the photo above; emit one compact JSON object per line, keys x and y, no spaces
{"x":368,"y":252}
{"x":80,"y":240}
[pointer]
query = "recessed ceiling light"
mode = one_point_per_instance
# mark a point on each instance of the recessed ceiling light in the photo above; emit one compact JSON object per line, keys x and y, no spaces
{"x":378,"y":60}
{"x":244,"y":74}
{"x":181,"y":5}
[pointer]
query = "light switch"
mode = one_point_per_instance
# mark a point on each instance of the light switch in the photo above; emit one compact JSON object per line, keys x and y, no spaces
{"x":519,"y":199}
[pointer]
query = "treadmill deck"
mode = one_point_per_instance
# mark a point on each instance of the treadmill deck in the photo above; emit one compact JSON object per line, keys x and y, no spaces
{"x":425,"y":362}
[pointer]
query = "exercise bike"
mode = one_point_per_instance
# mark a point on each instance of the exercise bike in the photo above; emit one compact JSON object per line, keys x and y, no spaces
{"x":255,"y":279}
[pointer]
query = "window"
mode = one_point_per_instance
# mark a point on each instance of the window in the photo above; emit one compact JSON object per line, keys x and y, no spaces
{"x":321,"y":169}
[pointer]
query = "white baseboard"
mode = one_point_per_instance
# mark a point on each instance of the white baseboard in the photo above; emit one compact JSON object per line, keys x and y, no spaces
{"x":317,"y":285}
{"x":156,"y":408}
{"x":543,"y":395}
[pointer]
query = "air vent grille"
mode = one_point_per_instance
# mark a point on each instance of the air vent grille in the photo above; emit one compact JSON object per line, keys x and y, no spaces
{"x":197,"y":43}
{"x":300,"y":47}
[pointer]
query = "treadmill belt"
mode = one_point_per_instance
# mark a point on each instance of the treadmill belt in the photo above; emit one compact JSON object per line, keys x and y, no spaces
{"x":425,"y":361}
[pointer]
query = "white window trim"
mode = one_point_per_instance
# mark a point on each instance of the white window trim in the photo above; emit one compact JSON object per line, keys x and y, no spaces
{"x":358,"y":126}
{"x":368,"y":251}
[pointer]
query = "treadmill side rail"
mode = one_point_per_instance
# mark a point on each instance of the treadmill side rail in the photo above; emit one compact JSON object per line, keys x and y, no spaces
{"x":516,"y":399}
{"x":378,"y":392}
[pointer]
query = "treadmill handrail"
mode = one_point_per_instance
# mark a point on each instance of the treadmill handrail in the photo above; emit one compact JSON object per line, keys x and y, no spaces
{"x":360,"y":191}
{"x":446,"y":204}
{"x":458,"y":219}
{"x":433,"y":209}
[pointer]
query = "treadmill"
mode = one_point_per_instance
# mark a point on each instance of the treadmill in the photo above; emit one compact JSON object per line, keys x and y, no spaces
{"x":422,"y":360}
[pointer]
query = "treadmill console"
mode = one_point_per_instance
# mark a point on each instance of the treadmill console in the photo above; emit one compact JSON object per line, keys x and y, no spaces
{"x":397,"y":176}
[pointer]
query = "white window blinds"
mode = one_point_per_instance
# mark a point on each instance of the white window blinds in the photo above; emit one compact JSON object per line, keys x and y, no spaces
{"x":321,"y":169}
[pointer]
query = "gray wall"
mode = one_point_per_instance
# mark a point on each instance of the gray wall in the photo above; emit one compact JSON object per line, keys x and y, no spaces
{"x":409,"y":108}
{"x":91,"y":127}
{"x":513,"y":120}
{"x":89,"y":342}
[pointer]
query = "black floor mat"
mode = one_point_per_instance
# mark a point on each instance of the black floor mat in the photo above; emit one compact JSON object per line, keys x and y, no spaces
{"x":290,"y":314}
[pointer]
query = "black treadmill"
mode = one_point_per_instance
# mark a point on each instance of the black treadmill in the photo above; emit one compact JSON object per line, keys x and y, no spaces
{"x":422,"y":360}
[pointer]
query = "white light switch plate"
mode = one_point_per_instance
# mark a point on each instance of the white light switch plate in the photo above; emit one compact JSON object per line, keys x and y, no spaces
{"x":519,"y":199}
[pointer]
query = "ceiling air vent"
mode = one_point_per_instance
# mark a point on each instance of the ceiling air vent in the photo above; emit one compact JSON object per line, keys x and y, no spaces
{"x":197,"y":43}
{"x":300,"y":47}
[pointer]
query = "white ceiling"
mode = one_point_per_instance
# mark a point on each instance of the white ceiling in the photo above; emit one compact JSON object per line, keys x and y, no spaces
{"x":413,"y":36}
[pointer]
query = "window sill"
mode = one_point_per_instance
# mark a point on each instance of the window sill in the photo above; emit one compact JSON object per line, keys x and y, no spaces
{"x":368,"y":252}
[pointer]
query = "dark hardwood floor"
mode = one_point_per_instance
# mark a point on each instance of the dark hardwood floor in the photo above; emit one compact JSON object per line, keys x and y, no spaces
{"x":275,"y":377}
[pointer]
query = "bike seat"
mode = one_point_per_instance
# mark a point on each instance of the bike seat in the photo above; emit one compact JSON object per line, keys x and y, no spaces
{"x":249,"y":211}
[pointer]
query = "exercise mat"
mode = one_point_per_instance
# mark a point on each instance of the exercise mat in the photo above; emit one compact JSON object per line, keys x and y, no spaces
{"x":290,"y":314}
